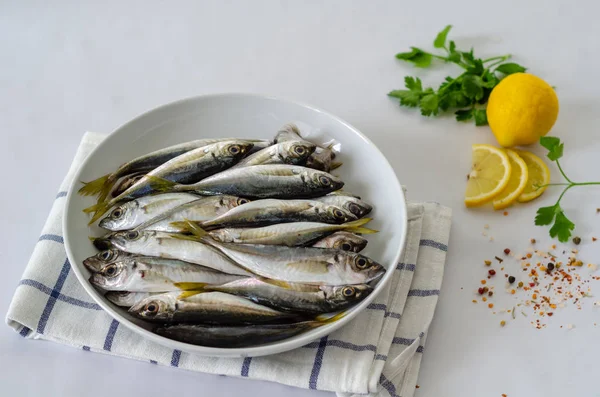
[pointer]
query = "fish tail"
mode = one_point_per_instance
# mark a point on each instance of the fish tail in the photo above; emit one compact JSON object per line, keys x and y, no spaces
{"x":97,"y":186}
{"x":356,"y":226}
{"x":187,"y":226}
{"x":327,"y":318}
{"x":335,"y":164}
{"x":161,"y":184}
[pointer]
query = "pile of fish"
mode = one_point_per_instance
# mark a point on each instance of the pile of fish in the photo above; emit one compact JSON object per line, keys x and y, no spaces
{"x":231,"y":242}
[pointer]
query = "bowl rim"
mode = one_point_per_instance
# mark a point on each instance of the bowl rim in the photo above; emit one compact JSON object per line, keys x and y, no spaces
{"x":254,"y":351}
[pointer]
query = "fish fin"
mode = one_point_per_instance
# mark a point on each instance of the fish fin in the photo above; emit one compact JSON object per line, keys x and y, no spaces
{"x":161,"y":184}
{"x":356,"y":223}
{"x":278,"y":283}
{"x":97,"y":186}
{"x":362,"y":230}
{"x":335,"y":164}
{"x":93,"y":208}
{"x":187,"y":237}
{"x":187,"y":294}
{"x":188,"y":286}
{"x":326,"y":318}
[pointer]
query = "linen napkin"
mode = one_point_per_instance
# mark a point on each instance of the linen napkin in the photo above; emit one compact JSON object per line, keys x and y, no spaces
{"x":377,"y":353}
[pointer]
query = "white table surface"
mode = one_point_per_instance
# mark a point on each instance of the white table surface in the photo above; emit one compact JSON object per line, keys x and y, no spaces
{"x":67,"y":67}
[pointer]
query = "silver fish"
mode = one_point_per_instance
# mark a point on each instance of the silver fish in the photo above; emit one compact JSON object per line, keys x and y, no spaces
{"x":234,"y":337}
{"x":97,"y":262}
{"x":134,"y":213}
{"x":319,"y":266}
{"x":349,"y":203}
{"x":190,"y":167}
{"x":202,"y":210}
{"x":343,"y":241}
{"x":270,"y":211}
{"x":126,"y":298}
{"x":289,"y":234}
{"x":261,"y":181}
{"x":295,"y":153}
{"x":139,"y":274}
{"x":206,"y":307}
{"x":150,"y":161}
{"x":299,"y":298}
{"x":164,"y":245}
{"x":320,"y":159}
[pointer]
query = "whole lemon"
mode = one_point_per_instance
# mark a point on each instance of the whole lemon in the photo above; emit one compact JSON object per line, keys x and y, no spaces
{"x":521,"y":109}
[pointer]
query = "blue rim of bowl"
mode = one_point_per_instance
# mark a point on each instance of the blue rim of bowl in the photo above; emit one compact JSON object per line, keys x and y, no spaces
{"x":254,"y":351}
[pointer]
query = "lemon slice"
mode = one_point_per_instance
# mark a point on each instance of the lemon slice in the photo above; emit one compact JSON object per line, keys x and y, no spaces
{"x":490,"y":172}
{"x":516,"y":183}
{"x":539,"y":174}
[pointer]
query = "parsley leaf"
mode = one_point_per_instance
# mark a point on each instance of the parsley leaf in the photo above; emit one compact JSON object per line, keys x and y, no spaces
{"x":562,"y":227}
{"x":545,"y":215}
{"x":419,"y":57}
{"x":464,"y":115}
{"x":554,"y":146}
{"x":440,"y":40}
{"x":510,"y":68}
{"x":480,"y":117}
{"x":464,"y":94}
{"x":429,"y":105}
{"x":472,"y":87}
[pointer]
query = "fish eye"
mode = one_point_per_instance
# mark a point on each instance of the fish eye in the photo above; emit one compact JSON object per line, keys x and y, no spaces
{"x":106,"y":255}
{"x":355,"y":209}
{"x":151,"y":308}
{"x":346,"y":247}
{"x":361,"y":262}
{"x":300,"y":150}
{"x":338,"y":214}
{"x":348,"y":291}
{"x":243,"y":201}
{"x":110,"y":270}
{"x":324,"y":181}
{"x":117,"y":213}
{"x":235,"y":149}
{"x":132,"y":235}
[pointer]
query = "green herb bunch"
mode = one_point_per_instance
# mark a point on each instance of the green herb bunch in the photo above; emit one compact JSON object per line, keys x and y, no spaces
{"x":554,"y":215}
{"x":466,"y":94}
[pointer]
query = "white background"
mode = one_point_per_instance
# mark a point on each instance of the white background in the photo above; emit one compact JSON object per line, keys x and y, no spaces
{"x":67,"y":67}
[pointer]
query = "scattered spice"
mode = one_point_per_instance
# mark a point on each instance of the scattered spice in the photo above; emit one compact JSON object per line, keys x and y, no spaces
{"x":490,"y":293}
{"x":417,"y":386}
{"x":504,"y":395}
{"x":480,"y":290}
{"x":474,"y":300}
{"x":550,"y":266}
{"x":492,"y":272}
{"x":532,"y":241}
{"x":500,"y":260}
{"x":506,"y":251}
{"x":512,"y":292}
{"x":594,"y":239}
{"x":520,"y":284}
{"x":502,"y":323}
{"x":513,"y":313}
{"x":484,"y":299}
{"x":576,"y":240}
{"x":505,"y":213}
{"x":511,"y":279}
{"x":490,"y":305}
{"x":487,"y":263}
{"x":483,"y":282}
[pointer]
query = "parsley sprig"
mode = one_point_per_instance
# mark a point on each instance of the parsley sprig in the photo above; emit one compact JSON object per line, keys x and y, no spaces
{"x":554,"y":214}
{"x":465,"y":94}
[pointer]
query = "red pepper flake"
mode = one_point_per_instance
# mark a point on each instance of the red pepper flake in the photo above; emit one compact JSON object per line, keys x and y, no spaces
{"x":506,"y":251}
{"x":532,"y":285}
{"x":549,"y":314}
{"x":594,"y":239}
{"x":492,"y":272}
{"x":480,"y":290}
{"x":505,"y":213}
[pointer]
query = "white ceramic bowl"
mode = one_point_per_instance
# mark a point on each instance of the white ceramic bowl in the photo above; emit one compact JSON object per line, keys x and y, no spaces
{"x":365,"y":171}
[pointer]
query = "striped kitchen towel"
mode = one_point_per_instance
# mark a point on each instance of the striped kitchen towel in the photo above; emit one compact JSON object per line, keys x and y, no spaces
{"x":378,"y":353}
